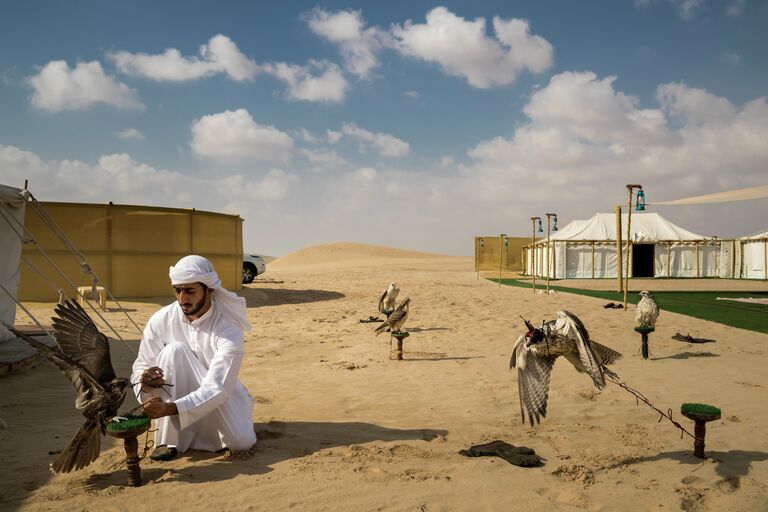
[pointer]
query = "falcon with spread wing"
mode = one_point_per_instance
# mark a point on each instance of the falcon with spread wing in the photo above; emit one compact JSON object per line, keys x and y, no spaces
{"x":535,"y":353}
{"x":388,"y":297}
{"x":646,"y":312}
{"x":83,"y":356}
{"x":396,"y":320}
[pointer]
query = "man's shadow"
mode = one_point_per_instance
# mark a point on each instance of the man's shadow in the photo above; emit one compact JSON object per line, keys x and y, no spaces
{"x":277,"y":441}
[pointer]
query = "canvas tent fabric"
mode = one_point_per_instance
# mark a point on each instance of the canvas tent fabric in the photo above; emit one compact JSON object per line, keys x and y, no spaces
{"x":754,"y":255}
{"x":587,"y":249}
{"x":12,"y":208}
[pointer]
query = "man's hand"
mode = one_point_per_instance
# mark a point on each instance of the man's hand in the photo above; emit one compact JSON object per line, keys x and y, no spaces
{"x":152,"y":378}
{"x":155,"y":408}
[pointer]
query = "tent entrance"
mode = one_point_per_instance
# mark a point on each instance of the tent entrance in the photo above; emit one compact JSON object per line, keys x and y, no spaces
{"x":642,"y":260}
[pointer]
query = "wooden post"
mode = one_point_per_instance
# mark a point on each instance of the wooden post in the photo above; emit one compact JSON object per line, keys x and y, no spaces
{"x":593,"y":260}
{"x":533,"y":249}
{"x":619,"y":265}
{"x":131,"y":445}
{"x":501,"y":252}
{"x":765,"y":258}
{"x":110,"y":256}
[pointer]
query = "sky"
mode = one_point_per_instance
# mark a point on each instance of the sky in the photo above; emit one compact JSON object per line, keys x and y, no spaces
{"x":408,"y":124}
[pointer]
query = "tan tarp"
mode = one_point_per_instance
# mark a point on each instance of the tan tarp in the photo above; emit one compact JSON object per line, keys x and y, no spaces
{"x":488,"y":257}
{"x":129,"y":247}
{"x":743,"y":194}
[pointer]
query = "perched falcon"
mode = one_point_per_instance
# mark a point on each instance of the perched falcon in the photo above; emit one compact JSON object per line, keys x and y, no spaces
{"x":388,"y":297}
{"x":535,"y":353}
{"x":646,"y":312}
{"x":396,"y":320}
{"x":83,"y":356}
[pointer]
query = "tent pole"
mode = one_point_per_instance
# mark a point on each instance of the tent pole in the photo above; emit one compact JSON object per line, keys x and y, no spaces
{"x":765,"y":258}
{"x":698,"y":266}
{"x":619,"y":264}
{"x":593,"y":260}
{"x":669,"y":259}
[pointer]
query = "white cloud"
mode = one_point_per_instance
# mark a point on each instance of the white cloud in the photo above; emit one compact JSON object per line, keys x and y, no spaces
{"x":220,"y":55}
{"x":686,"y":9}
{"x":329,"y":86}
{"x":734,"y":59}
{"x":589,"y":108}
{"x":333,"y":136}
{"x":121,"y":179}
{"x":365,"y":174}
{"x":273,"y":186}
{"x":358,"y":45}
{"x":462,"y":48}
{"x":234,"y":135}
{"x":587,"y":140}
{"x":414,"y":95}
{"x":735,"y":7}
{"x":323,"y":158}
{"x":57,"y":87}
{"x":131,"y":133}
{"x":308,"y":136}
{"x":387,"y":145}
{"x":446,"y":161}
{"x":697,"y":106}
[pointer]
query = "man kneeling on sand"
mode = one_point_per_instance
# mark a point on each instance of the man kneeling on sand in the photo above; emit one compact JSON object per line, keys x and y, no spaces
{"x":188,"y":366}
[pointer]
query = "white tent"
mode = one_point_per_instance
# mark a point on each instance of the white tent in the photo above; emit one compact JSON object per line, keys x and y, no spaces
{"x":754,"y":256}
{"x":587,"y":249}
{"x":12,"y":205}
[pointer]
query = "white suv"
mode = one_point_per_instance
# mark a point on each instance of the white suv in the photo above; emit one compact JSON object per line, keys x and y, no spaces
{"x":253,"y":265}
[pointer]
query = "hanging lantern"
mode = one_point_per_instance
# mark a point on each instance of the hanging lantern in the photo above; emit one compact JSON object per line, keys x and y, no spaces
{"x":554,"y":223}
{"x":541,"y":230}
{"x":482,"y":243}
{"x":506,"y":242}
{"x":640,"y":201}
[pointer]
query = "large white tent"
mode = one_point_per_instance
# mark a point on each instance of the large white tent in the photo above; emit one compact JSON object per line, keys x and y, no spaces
{"x":754,"y":256}
{"x":660,"y":248}
{"x":12,"y":207}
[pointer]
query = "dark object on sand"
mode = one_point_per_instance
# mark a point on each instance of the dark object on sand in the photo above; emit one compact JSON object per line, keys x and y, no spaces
{"x":701,"y":414}
{"x":370,"y":320}
{"x":644,"y":331}
{"x":128,"y":429}
{"x":690,"y":339}
{"x":517,"y":455}
{"x":612,"y":305}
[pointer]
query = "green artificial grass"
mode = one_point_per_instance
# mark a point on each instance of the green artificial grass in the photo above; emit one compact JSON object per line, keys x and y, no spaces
{"x":700,"y":410}
{"x":704,"y":305}
{"x":129,"y":424}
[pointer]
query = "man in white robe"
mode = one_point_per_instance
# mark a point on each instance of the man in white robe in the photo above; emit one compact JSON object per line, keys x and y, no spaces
{"x":188,"y":366}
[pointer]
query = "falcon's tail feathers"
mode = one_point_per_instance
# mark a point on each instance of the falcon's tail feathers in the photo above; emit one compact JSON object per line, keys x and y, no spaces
{"x":380,"y":329}
{"x":83,"y":449}
{"x":606,"y":355}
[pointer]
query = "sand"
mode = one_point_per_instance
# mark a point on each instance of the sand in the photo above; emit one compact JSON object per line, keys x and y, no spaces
{"x":343,"y":427}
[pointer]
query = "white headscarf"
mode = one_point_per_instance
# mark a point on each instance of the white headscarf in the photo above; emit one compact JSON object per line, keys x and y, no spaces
{"x":196,"y":269}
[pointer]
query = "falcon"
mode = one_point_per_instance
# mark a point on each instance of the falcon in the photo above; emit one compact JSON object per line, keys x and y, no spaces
{"x":396,"y":320}
{"x":646,"y":312}
{"x":83,"y":356}
{"x":388,"y":297}
{"x":535,"y":353}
